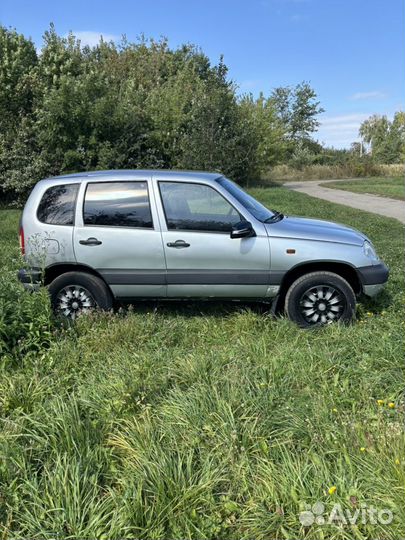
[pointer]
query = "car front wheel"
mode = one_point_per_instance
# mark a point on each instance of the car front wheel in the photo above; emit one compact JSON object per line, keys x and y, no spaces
{"x":320,"y":298}
{"x":77,"y":293}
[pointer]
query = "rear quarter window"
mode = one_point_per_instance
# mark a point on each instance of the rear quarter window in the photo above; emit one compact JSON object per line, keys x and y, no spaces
{"x":57,"y":206}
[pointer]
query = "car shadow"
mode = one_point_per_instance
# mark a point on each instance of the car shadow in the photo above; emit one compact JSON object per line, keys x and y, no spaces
{"x":195,"y":308}
{"x":378,"y":304}
{"x":220,"y":307}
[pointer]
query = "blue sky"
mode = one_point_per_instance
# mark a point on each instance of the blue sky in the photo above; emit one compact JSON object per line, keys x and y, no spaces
{"x":351,"y":51}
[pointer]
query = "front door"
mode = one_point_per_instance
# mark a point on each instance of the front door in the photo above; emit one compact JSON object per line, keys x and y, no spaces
{"x":202,"y":259}
{"x":117,"y":234}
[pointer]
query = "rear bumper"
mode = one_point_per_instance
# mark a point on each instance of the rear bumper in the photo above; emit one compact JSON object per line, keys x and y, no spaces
{"x":31,"y":279}
{"x":373,"y":278}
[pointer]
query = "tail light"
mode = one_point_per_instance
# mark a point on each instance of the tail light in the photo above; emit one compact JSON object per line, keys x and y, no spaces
{"x":22,"y":241}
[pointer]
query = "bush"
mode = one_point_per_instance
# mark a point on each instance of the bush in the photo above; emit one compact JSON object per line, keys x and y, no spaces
{"x":139,"y":105}
{"x":69,"y":108}
{"x":25,"y":319}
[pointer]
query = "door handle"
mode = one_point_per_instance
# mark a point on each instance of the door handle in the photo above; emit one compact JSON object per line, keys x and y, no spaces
{"x":178,"y":244}
{"x":90,"y":242}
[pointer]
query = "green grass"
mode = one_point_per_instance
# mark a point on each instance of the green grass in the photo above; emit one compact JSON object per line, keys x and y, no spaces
{"x":200,"y":420}
{"x":386,"y":187}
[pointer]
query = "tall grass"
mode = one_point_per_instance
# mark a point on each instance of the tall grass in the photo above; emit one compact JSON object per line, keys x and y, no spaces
{"x":209,"y":420}
{"x":287,"y":173}
{"x":25,"y":320}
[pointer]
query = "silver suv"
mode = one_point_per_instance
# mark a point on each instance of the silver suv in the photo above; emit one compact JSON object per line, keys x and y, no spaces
{"x":95,"y":237}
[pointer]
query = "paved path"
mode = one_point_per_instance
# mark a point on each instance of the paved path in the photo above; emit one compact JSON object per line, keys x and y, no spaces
{"x":363,"y":201}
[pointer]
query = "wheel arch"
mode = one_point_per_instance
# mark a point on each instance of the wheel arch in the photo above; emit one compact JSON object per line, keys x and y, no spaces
{"x":53,"y":271}
{"x":345,"y":270}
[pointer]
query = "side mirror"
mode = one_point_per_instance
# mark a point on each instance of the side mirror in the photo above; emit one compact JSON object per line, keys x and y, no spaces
{"x":243,"y":229}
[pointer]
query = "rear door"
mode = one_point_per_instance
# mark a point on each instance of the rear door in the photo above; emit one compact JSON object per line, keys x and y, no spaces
{"x":117,"y":233}
{"x":201,"y":257}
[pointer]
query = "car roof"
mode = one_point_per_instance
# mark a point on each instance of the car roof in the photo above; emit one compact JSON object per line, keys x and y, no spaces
{"x":128,"y":174}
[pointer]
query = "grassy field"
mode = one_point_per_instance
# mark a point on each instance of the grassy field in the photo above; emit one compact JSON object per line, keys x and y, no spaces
{"x":201,"y":420}
{"x":386,"y":187}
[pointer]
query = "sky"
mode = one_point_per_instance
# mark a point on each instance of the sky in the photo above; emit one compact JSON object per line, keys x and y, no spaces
{"x":350,"y":51}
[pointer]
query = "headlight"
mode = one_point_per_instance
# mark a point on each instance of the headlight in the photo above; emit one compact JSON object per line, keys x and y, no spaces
{"x":369,"y":251}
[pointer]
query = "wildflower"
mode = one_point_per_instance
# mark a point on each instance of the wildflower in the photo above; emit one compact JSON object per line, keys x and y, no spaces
{"x":369,"y":314}
{"x":391,"y":405}
{"x":397,"y":462}
{"x":334,"y":409}
{"x":380,"y":402}
{"x":332,"y":490}
{"x":362,"y":449}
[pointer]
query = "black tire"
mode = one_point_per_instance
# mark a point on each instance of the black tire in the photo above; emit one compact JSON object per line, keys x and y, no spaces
{"x":87,"y":291}
{"x":320,"y":298}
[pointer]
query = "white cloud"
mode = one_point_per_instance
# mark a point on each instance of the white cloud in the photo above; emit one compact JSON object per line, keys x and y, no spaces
{"x":340,"y":130}
{"x":90,"y":38}
{"x":374,"y":94}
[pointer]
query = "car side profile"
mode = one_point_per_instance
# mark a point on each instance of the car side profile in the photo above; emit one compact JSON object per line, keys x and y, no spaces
{"x":94,"y":238}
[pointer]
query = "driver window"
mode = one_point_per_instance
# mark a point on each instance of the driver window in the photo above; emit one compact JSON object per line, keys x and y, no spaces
{"x":196,"y":207}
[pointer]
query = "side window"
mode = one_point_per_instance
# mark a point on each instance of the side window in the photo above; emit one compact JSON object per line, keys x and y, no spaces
{"x":117,"y":204}
{"x":57,"y":206}
{"x":196,"y":207}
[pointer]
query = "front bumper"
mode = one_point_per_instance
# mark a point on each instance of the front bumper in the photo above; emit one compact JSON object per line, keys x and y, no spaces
{"x":373,"y":278}
{"x":31,"y":279}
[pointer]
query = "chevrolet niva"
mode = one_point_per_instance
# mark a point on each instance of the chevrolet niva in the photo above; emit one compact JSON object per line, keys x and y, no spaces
{"x":92,"y":238}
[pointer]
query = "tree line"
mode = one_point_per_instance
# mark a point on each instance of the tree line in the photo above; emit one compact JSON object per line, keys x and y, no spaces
{"x":72,"y":108}
{"x":68,"y":108}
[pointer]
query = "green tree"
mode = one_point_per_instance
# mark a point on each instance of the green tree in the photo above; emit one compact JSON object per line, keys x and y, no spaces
{"x":397,"y":138}
{"x":268,"y":132}
{"x":297,"y":108}
{"x":386,"y":138}
{"x":128,"y":105}
{"x":21,"y":160}
{"x":217,"y":136}
{"x":18,"y":59}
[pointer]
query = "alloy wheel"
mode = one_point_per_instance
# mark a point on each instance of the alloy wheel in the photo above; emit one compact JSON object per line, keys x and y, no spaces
{"x":322,"y":304}
{"x":73,"y":300}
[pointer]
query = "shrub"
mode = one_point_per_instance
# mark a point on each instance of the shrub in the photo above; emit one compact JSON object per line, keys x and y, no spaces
{"x":25,"y":319}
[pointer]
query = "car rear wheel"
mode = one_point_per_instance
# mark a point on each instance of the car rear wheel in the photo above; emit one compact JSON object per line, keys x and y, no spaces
{"x":320,"y":298}
{"x":78,"y":293}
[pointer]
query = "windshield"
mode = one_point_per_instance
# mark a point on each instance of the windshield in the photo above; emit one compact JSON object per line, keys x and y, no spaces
{"x":257,"y":210}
